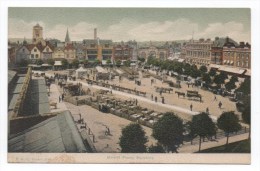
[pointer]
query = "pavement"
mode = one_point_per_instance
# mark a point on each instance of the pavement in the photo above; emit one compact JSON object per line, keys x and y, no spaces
{"x":97,"y":121}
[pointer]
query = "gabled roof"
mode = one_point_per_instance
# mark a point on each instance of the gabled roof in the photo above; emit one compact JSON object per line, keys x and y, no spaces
{"x":49,"y":45}
{"x":30,"y":46}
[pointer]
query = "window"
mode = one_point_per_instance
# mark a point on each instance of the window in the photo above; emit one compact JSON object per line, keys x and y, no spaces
{"x":35,"y":50}
{"x":23,"y":50}
{"x":32,"y":56}
{"x":36,"y":56}
{"x":47,"y":49}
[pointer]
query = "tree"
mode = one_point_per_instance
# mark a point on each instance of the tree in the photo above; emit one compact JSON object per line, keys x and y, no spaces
{"x":39,"y":62}
{"x":203,"y":69}
{"x":85,"y":62}
{"x":156,"y":149}
{"x":218,"y":79}
{"x":133,"y":139}
{"x":234,"y":78}
{"x":230,"y":85}
{"x":97,"y":62}
{"x":141,"y":59}
{"x":169,"y":131}
{"x":75,"y":63}
{"x":118,"y":62}
{"x":228,"y":122}
{"x":212,"y":72}
{"x":245,"y":87}
{"x":246,"y":115}
{"x":206,"y":78}
{"x":50,"y":61}
{"x":64,"y":63}
{"x":108,"y":61}
{"x":203,"y":126}
{"x":127,"y":63}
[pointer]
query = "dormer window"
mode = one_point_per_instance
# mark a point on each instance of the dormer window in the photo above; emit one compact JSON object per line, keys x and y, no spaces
{"x":35,"y":50}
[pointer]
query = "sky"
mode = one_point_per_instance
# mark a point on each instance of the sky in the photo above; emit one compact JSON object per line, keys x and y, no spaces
{"x":140,"y":24}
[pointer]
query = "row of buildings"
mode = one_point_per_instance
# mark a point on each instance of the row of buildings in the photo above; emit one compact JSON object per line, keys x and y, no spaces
{"x":220,"y":51}
{"x":89,"y":49}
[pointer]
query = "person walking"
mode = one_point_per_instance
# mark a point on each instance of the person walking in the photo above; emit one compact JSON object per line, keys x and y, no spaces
{"x":207,"y":110}
{"x":155,"y":98}
{"x":59,"y":99}
{"x":215,"y":98}
{"x":152,"y":97}
{"x":62,"y":96}
{"x":162,"y":100}
{"x":191,"y":107}
{"x":220,"y":105}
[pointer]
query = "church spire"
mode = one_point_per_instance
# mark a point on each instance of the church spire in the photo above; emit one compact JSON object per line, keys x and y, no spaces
{"x":67,"y":38}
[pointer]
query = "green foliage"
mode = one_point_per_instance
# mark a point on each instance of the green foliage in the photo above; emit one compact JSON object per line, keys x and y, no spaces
{"x":108,"y":61}
{"x":212,"y":72}
{"x":39,"y":62}
{"x":64,"y":63}
{"x":234,"y":78}
{"x":206,"y":78}
{"x":230,"y":85}
{"x":203,"y":69}
{"x":246,"y":114}
{"x":50,"y":61}
{"x":169,"y":131}
{"x":133,"y":139}
{"x":127,"y":63}
{"x":245,"y":87}
{"x":75,"y":63}
{"x":85,"y":62}
{"x":118,"y":62}
{"x":229,"y":123}
{"x":203,"y":126}
{"x":141,"y":59}
{"x":219,"y":79}
{"x":156,"y":149}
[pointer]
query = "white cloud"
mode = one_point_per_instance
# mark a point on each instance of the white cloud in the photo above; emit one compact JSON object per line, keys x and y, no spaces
{"x":128,"y":29}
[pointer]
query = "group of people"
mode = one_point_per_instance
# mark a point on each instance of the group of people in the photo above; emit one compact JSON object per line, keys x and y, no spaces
{"x":156,"y":99}
{"x":61,"y":97}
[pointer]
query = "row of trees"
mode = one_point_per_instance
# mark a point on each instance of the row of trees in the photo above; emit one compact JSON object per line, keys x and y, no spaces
{"x":169,"y":132}
{"x":208,"y":77}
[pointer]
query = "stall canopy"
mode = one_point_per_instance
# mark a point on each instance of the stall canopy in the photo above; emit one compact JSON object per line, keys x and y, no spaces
{"x":80,"y":72}
{"x":57,"y":63}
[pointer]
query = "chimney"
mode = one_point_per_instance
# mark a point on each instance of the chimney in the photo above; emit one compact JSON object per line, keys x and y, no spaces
{"x":95,"y":33}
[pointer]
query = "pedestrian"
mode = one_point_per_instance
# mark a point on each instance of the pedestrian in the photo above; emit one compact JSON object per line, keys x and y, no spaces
{"x":108,"y":131}
{"x":215,"y":98}
{"x":152,"y":97}
{"x":162,"y":100}
{"x":220,"y":104}
{"x":136,"y":102}
{"x":59,"y":99}
{"x":62,"y":96}
{"x":160,"y":92}
{"x":207,"y":110}
{"x":191,"y":107}
{"x":155,"y":98}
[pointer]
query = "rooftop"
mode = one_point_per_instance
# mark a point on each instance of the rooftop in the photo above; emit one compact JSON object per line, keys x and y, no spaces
{"x":57,"y":134}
